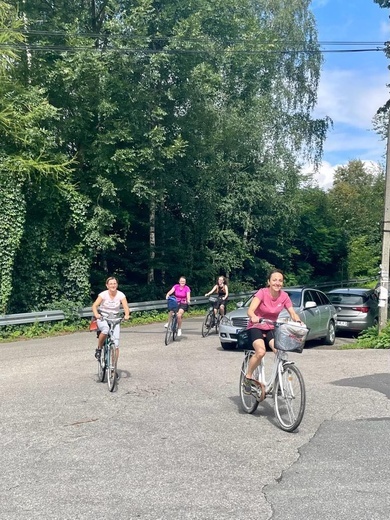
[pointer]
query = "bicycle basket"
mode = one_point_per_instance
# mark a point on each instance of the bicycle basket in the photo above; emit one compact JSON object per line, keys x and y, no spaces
{"x":213,"y":299}
{"x":243,"y":340}
{"x":173,"y":304}
{"x":290,"y":336}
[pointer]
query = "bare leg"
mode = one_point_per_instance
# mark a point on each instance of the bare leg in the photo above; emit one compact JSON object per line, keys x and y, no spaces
{"x":180,"y":313}
{"x":255,"y":360}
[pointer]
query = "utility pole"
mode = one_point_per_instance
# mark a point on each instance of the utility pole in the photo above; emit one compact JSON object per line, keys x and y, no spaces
{"x":384,"y":280}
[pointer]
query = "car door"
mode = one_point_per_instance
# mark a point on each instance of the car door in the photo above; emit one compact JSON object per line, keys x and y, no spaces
{"x":325,"y":308}
{"x":311,"y":316}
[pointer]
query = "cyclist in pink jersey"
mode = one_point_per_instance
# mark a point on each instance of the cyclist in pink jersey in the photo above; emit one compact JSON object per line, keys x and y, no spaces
{"x":183,"y":296}
{"x":267,"y":303}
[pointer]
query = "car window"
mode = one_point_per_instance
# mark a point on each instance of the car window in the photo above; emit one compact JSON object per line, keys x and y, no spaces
{"x":346,"y":299}
{"x":315,"y":297}
{"x":324,"y":299}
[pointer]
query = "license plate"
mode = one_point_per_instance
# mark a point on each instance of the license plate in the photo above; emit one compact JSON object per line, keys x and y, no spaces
{"x":342,"y":323}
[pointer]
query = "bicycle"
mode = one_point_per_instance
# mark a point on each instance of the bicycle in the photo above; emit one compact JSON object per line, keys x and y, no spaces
{"x":171,"y":332}
{"x":107,"y":363}
{"x":285,"y":384}
{"x":212,"y":319}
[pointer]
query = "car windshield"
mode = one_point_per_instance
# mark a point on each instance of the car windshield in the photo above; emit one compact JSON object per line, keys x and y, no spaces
{"x":295,"y":297}
{"x":346,"y":299}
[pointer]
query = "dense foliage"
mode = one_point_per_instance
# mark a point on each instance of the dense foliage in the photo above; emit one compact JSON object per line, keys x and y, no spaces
{"x":152,"y":139}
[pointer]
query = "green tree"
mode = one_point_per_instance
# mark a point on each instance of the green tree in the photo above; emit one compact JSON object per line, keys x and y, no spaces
{"x":356,"y":201}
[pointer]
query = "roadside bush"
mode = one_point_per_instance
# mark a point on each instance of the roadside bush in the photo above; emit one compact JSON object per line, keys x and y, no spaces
{"x":371,"y":338}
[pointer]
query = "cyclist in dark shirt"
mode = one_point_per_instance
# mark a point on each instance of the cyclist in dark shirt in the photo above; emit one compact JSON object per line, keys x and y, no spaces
{"x":222,"y":291}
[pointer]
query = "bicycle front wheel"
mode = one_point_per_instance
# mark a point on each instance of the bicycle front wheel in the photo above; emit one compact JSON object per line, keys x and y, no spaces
{"x":111,"y":367}
{"x":174,"y":327}
{"x":207,"y":324}
{"x":102,"y":365}
{"x":169,"y":331}
{"x":289,"y":398}
{"x":217,"y":322}
{"x":248,"y":399}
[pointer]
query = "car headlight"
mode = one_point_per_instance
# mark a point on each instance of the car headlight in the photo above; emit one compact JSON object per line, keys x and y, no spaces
{"x":226,"y":321}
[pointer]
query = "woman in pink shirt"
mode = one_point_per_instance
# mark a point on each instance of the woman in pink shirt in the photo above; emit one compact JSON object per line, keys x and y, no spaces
{"x":183,"y":296}
{"x":267,"y":303}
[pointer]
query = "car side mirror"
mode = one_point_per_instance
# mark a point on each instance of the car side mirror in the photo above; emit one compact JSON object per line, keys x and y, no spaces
{"x":310,"y":305}
{"x":239,"y":304}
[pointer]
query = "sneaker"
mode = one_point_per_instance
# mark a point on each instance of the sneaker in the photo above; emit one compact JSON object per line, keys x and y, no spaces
{"x":178,"y":333}
{"x":166,"y":325}
{"x":247,"y":387}
{"x":98,"y":352}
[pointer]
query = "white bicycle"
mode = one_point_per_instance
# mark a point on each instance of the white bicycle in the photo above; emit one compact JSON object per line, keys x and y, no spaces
{"x":285,"y":384}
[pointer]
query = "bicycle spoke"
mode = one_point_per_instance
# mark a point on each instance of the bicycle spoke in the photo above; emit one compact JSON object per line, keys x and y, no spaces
{"x":248,"y":395}
{"x":289,"y":398}
{"x":111,"y":368}
{"x":206,"y":325}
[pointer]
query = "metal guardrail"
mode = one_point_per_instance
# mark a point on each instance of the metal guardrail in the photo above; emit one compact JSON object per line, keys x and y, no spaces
{"x":86,"y":312}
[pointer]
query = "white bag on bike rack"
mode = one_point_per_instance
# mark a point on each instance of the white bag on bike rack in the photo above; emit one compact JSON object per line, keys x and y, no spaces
{"x":290,"y":336}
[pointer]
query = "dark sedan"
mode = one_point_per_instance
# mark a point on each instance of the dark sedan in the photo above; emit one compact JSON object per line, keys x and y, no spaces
{"x":357,"y":308}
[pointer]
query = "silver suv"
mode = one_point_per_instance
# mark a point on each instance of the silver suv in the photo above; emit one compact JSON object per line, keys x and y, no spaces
{"x":312,"y":306}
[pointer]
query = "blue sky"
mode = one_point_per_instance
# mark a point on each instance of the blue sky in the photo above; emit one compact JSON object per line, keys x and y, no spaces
{"x":353,"y":85}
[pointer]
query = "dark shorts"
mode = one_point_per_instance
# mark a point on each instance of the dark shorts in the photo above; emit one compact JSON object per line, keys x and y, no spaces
{"x":266,"y":335}
{"x":220,"y":302}
{"x":183,"y":306}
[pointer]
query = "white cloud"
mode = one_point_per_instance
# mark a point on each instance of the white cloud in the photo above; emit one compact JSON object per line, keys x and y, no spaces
{"x":355,"y":144}
{"x":384,"y":29}
{"x":323,"y":177}
{"x":351,"y":97}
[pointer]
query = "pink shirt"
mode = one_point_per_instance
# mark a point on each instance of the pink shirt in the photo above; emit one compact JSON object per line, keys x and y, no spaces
{"x":269,"y":307}
{"x":181,"y":292}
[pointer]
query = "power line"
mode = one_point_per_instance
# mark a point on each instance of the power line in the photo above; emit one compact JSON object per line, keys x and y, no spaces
{"x":129,"y":50}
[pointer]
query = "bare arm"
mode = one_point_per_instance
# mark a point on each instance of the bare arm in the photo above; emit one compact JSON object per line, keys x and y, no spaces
{"x":293,"y":314}
{"x":189,"y":297}
{"x":226,"y":293}
{"x":95,"y":306}
{"x":169,"y":293}
{"x":125,"y":306}
{"x":251,"y":311}
{"x":212,"y":291}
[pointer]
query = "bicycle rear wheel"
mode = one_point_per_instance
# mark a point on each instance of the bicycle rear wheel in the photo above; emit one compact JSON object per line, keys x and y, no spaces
{"x":111,"y":367}
{"x":248,"y":400}
{"x":169,"y":331}
{"x":289,"y":398}
{"x":207,"y":324}
{"x":102,"y":365}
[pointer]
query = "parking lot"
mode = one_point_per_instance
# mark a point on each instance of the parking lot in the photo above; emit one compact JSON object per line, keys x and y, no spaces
{"x":173,"y":443}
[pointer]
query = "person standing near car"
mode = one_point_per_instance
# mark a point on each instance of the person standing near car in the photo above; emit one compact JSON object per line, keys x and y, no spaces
{"x":182,"y":293}
{"x":222,"y":291}
{"x":267,"y":303}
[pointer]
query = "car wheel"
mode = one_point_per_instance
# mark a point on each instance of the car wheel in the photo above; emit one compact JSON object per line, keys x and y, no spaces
{"x":228,"y":346}
{"x":331,"y":336}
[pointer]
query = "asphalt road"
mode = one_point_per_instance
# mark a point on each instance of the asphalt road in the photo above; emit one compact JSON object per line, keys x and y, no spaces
{"x":173,"y":443}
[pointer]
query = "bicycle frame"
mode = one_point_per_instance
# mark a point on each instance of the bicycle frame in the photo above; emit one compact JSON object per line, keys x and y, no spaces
{"x":171,"y":331}
{"x":285,"y":384}
{"x":108,"y":362}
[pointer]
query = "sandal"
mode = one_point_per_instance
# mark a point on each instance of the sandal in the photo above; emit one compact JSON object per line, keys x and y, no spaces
{"x":259,"y":387}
